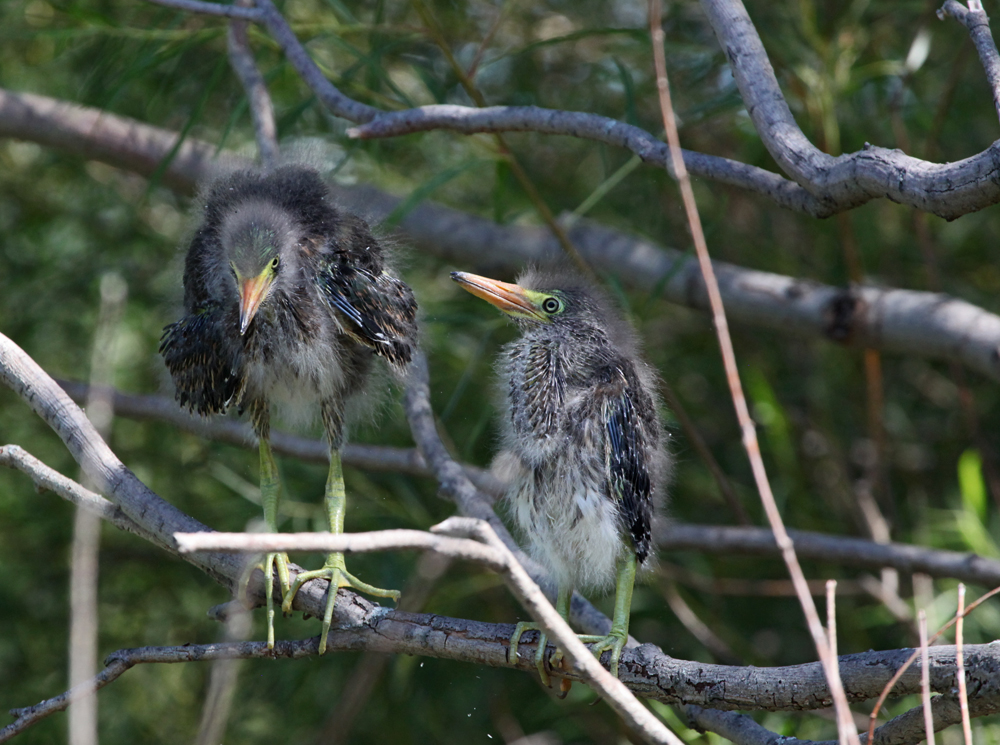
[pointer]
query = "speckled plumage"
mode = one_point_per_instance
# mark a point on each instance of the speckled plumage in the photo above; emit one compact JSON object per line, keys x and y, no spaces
{"x":584,"y":452}
{"x":288,"y":301}
{"x":332,"y":305}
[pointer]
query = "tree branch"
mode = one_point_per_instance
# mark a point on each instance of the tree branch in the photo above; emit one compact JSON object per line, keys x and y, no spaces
{"x":921,"y":324}
{"x":259,"y":100}
{"x":823,"y":185}
{"x":241,"y":434}
{"x":489,"y":551}
{"x":974,"y":18}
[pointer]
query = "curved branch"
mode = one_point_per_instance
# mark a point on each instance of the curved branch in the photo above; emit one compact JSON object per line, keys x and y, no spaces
{"x":921,"y":324}
{"x":259,"y":100}
{"x":821,"y":184}
{"x":974,"y":18}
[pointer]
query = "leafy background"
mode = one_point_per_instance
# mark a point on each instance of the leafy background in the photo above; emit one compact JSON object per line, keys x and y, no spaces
{"x":853,"y":73}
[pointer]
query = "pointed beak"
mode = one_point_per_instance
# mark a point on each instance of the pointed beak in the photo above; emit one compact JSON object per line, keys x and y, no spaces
{"x":252,"y":294}
{"x":513,"y":300}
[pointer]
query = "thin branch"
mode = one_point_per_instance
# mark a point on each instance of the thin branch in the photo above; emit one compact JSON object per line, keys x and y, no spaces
{"x":845,"y":723}
{"x":261,"y":109}
{"x":922,"y":324}
{"x":925,"y":677}
{"x":489,"y":551}
{"x":963,"y":690}
{"x":466,"y":81}
{"x":235,"y":432}
{"x":693,"y":435}
{"x":974,"y":18}
{"x":889,"y":686}
{"x":838,"y":550}
{"x":213,"y":9}
{"x":44,"y":477}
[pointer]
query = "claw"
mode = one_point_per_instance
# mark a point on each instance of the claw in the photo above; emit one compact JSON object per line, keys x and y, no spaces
{"x":335,"y":572}
{"x":267,"y":566}
{"x":515,"y":641}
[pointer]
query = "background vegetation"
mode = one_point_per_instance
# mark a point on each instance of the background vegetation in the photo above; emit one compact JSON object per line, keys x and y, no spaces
{"x":852,"y":73}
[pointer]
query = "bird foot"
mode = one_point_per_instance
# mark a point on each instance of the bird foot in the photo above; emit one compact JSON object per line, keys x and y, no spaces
{"x":614,"y":641}
{"x":335,"y":572}
{"x":543,"y":641}
{"x":267,"y":565}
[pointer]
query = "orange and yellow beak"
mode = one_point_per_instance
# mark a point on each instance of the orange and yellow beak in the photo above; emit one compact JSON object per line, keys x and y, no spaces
{"x":513,"y":300}
{"x":252,"y":294}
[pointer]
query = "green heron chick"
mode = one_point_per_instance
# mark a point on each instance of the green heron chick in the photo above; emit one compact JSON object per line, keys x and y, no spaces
{"x":583,"y":447}
{"x":287,"y":301}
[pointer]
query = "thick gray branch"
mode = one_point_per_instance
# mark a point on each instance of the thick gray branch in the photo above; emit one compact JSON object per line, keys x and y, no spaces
{"x":921,"y":324}
{"x":948,"y":190}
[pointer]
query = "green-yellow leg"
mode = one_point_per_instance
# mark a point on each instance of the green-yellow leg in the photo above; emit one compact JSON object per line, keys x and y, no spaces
{"x":615,"y":641}
{"x":562,"y":605}
{"x":270,"y":490}
{"x":334,"y":569}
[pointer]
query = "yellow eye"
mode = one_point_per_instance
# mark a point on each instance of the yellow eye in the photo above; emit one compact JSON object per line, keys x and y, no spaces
{"x":274,"y":263}
{"x":553,"y":305}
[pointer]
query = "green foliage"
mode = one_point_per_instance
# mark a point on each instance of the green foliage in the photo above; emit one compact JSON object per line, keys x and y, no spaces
{"x":65,"y":222}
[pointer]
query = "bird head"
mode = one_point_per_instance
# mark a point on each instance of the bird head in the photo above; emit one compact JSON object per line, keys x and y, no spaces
{"x":538,"y":299}
{"x":257,"y":240}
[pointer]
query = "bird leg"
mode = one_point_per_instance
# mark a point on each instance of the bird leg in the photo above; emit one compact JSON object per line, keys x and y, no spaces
{"x":334,"y":568}
{"x":562,"y":606}
{"x":270,"y":489}
{"x":615,"y":641}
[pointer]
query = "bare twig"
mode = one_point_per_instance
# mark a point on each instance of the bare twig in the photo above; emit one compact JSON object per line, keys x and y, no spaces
{"x":916,"y":653}
{"x":974,"y":18}
{"x":845,"y":723}
{"x":963,"y":692}
{"x":259,"y":100}
{"x":843,"y":550}
{"x":213,"y":9}
{"x":923,"y":324}
{"x":467,"y":83}
{"x":925,"y":677}
{"x":693,"y":435}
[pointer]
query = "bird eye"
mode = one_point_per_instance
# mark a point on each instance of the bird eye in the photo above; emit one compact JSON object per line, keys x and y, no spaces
{"x":274,"y":263}
{"x":552,"y":305}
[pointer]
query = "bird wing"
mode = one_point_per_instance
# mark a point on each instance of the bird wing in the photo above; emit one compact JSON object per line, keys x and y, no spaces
{"x":628,"y":471}
{"x":204,"y":366}
{"x":377,"y":310}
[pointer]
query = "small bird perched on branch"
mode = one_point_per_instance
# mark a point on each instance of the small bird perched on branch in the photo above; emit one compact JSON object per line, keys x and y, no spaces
{"x":287,"y":301}
{"x":583,"y":448}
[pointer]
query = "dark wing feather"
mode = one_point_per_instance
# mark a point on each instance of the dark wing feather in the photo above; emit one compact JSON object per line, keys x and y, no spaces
{"x":628,"y":469}
{"x":204,"y":366}
{"x":378,"y":311}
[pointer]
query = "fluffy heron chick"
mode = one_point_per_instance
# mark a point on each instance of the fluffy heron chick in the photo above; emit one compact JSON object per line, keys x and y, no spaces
{"x":288,"y":301}
{"x":583,"y":449}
